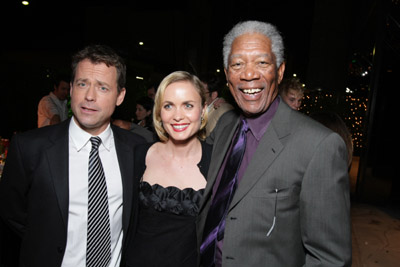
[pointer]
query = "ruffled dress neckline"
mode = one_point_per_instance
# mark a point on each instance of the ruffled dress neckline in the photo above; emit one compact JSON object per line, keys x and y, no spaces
{"x":170,"y":199}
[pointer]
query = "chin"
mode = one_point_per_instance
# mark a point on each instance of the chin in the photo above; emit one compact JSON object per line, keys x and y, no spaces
{"x":252,"y":111}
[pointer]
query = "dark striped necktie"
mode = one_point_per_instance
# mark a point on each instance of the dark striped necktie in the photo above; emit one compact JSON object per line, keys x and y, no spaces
{"x":98,"y":250}
{"x":215,"y":223}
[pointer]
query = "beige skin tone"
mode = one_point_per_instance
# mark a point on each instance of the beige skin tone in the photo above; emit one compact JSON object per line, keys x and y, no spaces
{"x":174,"y":163}
{"x":61,"y":92}
{"x":252,"y":74}
{"x":293,"y":98}
{"x":94,"y":96}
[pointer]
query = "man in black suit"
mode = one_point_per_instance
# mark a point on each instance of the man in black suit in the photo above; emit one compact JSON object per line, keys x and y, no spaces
{"x":44,"y":188}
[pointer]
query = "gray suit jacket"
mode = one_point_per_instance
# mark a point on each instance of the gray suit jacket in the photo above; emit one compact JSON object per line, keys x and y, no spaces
{"x":34,"y":190}
{"x":298,"y":174}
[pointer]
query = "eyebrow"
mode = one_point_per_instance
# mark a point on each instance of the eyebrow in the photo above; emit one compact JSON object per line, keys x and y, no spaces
{"x":97,"y":81}
{"x":184,"y":102}
{"x":102,"y":83}
{"x":258,"y":55}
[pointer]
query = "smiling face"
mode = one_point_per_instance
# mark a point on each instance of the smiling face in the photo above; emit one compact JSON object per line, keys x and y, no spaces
{"x":252,"y":74}
{"x":293,"y":98}
{"x":181,"y":111}
{"x":94,"y":96}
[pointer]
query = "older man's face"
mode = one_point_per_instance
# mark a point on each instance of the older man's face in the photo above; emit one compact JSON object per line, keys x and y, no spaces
{"x":252,"y":74}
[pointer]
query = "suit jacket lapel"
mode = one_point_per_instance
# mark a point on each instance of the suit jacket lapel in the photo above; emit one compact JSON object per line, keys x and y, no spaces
{"x":266,"y":152}
{"x":125,"y":160}
{"x":269,"y":148}
{"x":58,"y":157}
{"x":220,"y":147}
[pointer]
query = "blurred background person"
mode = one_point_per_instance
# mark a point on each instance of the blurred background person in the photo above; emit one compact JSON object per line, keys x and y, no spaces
{"x":291,"y":91}
{"x":53,"y":108}
{"x":134,"y":128}
{"x":143,"y":124}
{"x":144,"y":112}
{"x":216,"y":105}
{"x":152,"y":89}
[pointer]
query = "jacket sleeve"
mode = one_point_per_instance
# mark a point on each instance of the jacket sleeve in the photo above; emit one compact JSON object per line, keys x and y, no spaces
{"x":14,"y":188}
{"x":325,"y":206}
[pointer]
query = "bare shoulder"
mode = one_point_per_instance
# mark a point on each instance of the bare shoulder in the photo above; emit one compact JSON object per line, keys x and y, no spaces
{"x":155,"y":155}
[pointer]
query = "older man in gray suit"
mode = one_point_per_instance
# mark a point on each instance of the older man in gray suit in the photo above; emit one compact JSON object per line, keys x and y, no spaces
{"x":287,"y":202}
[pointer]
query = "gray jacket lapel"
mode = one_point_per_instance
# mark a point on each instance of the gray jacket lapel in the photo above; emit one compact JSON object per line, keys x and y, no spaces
{"x":266,"y":152}
{"x":268,"y":149}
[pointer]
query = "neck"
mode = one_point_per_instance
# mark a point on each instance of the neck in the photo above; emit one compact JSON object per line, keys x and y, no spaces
{"x":183,"y":149}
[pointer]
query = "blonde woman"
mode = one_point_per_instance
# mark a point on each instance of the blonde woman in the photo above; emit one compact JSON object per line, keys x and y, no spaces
{"x":172,"y":177}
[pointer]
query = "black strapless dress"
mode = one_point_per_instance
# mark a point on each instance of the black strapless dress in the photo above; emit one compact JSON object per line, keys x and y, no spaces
{"x":166,"y":230}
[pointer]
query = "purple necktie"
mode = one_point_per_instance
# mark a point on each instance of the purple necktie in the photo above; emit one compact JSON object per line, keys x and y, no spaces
{"x":215,"y":222}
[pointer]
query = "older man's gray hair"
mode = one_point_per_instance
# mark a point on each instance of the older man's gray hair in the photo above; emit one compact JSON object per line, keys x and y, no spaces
{"x":253,"y":26}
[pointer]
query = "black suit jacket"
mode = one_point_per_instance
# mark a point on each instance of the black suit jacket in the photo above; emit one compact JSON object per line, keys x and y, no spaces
{"x":34,"y":190}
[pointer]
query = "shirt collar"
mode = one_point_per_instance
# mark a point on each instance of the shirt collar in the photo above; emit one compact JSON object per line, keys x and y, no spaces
{"x":258,"y":125}
{"x":211,"y":105}
{"x":80,"y":137}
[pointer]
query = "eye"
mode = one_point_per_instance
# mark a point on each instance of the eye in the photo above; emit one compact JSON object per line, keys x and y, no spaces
{"x":236,"y":65}
{"x":81,"y":84}
{"x":189,"y":105}
{"x":103,"y":88}
{"x":167,"y":106}
{"x":263,"y":63}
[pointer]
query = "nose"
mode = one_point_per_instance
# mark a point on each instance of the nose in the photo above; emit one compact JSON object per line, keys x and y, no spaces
{"x":249,"y":73}
{"x":297,"y":104}
{"x":178,"y":114}
{"x":91,"y":93}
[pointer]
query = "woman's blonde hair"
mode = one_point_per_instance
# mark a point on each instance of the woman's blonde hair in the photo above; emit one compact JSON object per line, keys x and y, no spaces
{"x":178,"y":76}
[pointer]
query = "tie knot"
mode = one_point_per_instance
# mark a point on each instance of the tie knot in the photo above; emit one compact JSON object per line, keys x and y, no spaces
{"x":95,"y":140}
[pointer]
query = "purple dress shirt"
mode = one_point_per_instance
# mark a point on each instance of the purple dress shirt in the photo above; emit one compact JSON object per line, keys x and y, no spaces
{"x":257,"y":127}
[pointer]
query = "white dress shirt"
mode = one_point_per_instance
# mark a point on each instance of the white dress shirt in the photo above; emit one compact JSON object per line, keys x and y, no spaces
{"x":79,"y":149}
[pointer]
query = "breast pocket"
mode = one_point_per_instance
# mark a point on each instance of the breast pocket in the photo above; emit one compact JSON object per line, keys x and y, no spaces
{"x":281,"y":205}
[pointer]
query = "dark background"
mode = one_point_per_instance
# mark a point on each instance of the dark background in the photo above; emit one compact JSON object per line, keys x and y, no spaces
{"x":329,"y":44}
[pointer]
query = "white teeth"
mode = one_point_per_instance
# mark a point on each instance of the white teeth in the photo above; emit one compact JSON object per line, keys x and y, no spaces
{"x":252,"y":91}
{"x":179,"y":126}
